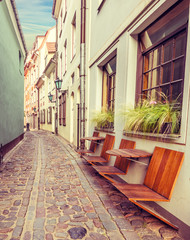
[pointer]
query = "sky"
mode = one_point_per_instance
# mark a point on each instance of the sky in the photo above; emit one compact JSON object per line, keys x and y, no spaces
{"x":35,"y":18}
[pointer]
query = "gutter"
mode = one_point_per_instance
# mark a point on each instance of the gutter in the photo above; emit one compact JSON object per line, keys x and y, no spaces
{"x":18,"y":24}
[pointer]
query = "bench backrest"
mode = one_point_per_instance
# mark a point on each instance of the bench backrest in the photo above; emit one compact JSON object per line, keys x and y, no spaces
{"x":163,"y":171}
{"x":93,"y":144}
{"x":123,"y":163}
{"x":108,"y":145}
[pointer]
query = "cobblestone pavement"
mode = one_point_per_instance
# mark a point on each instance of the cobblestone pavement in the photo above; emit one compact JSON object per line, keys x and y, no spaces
{"x":48,"y":192}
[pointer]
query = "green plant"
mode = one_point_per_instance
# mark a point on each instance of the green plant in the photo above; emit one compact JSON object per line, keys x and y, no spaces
{"x":104,"y":118}
{"x":152,"y":116}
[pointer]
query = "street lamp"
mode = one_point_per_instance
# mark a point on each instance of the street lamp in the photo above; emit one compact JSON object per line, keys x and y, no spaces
{"x":50,"y":96}
{"x":58,"y":83}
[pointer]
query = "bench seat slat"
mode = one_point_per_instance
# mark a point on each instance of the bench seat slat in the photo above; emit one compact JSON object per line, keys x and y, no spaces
{"x":139,"y":192}
{"x":108,"y":170}
{"x":94,"y":159}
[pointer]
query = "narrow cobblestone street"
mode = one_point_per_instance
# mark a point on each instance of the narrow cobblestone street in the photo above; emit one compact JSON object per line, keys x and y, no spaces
{"x":48,"y":192}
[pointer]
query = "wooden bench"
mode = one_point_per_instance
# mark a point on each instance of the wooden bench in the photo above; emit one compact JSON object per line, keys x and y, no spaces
{"x":159,"y":182}
{"x":104,"y":157}
{"x":92,"y":147}
{"x":121,"y":165}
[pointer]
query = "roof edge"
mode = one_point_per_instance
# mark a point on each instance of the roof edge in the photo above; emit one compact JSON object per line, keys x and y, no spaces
{"x":18,"y":24}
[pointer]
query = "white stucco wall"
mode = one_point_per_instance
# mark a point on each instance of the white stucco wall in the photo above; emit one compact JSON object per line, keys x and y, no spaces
{"x":69,"y":132}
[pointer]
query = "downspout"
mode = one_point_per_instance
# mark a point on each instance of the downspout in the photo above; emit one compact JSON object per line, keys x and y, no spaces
{"x":82,"y":70}
{"x":56,"y":70}
{"x":38,"y":108}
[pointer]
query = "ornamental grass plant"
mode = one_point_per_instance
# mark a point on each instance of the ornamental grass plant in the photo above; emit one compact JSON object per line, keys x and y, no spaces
{"x":104,"y":119}
{"x":151,"y":116}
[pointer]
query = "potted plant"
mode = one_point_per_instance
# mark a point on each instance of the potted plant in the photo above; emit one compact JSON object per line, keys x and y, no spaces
{"x":104,"y":119}
{"x":152,"y":116}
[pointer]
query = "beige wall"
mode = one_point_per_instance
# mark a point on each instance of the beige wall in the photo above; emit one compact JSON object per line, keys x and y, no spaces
{"x":69,"y":131}
{"x":120,"y":35}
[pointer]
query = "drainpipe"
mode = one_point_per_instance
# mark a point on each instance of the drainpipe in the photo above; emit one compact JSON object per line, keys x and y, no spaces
{"x":56,"y":73}
{"x":82,"y":70}
{"x":38,"y":111}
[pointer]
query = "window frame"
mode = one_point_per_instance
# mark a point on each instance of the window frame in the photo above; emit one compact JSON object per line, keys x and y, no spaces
{"x":62,"y":109}
{"x":108,"y":85}
{"x":140,"y":72}
{"x":73,"y":37}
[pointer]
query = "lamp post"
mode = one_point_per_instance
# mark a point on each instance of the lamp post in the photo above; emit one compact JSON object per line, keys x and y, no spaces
{"x":58,"y":83}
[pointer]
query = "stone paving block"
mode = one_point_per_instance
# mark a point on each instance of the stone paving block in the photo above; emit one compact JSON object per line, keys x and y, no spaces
{"x":38,"y":234}
{"x":4,"y":225}
{"x":115,"y":235}
{"x":27,"y":236}
{"x":109,"y":225}
{"x":39,"y":223}
{"x":104,"y":217}
{"x":17,"y":232}
{"x":20,"y":222}
{"x":92,"y":215}
{"x":3,"y":236}
{"x":49,"y":236}
{"x":98,"y":236}
{"x":115,"y":212}
{"x":131,"y":235}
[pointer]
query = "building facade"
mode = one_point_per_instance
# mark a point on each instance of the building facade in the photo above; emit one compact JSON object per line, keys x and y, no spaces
{"x":144,"y":51}
{"x":71,"y":67}
{"x":13,"y":51}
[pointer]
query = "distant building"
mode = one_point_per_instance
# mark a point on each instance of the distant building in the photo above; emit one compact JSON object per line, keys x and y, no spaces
{"x":12,"y":55}
{"x":39,"y":81}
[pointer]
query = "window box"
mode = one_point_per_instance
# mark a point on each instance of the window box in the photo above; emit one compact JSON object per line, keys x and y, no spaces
{"x":104,"y":119}
{"x":156,"y":136}
{"x":153,"y":117}
{"x":104,"y":129}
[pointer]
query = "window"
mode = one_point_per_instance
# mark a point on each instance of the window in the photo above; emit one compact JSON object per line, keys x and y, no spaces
{"x":73,"y":42}
{"x":108,"y":93}
{"x":73,"y":78}
{"x":49,"y":115}
{"x":62,"y":109}
{"x":65,"y":57}
{"x":60,"y":24}
{"x":42,"y":116}
{"x":46,"y":60}
{"x":60,"y":112}
{"x":20,"y":62}
{"x":61,"y":65}
{"x":44,"y":111}
{"x":163,"y":47}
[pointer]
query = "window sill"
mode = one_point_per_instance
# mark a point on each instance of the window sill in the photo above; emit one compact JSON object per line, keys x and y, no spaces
{"x":108,"y":130}
{"x":154,"y":136}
